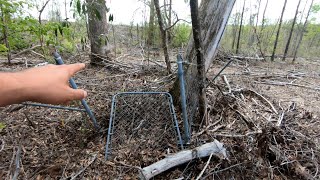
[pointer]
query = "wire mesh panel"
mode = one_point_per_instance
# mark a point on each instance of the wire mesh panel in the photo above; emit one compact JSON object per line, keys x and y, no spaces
{"x":143,"y":128}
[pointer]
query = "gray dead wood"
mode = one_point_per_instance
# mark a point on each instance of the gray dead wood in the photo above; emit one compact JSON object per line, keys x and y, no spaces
{"x":215,"y":148}
{"x":25,"y":51}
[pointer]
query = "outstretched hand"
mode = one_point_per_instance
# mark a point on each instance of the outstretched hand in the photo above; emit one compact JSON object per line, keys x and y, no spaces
{"x":47,"y":84}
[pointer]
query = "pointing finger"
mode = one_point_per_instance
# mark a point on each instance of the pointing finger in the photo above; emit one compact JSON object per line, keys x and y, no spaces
{"x":78,"y":94}
{"x":74,"y":68}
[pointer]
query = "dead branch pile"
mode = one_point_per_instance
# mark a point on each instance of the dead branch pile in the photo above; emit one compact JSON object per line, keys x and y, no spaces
{"x":263,"y":142}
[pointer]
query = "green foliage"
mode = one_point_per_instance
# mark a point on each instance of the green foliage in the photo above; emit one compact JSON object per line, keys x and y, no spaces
{"x":24,"y":32}
{"x":309,"y":45}
{"x":2,"y":126}
{"x":181,"y":35}
{"x":315,"y":8}
{"x":3,"y":48}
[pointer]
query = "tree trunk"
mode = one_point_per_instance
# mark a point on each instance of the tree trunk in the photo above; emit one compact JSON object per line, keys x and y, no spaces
{"x":234,"y":30}
{"x":291,"y":31}
{"x":163,"y":36}
{"x":5,"y":33}
{"x":278,"y":32}
{"x":263,"y":16}
{"x":97,"y":21}
{"x":302,"y":32}
{"x":199,"y":55}
{"x":299,"y":25}
{"x":168,"y":14}
{"x":151,"y":25}
{"x":170,"y":22}
{"x":259,"y":5}
{"x":240,"y":29}
{"x":213,"y":16}
{"x":40,"y":24}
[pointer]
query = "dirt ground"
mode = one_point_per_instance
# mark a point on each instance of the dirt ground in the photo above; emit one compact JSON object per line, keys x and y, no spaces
{"x":265,"y":113}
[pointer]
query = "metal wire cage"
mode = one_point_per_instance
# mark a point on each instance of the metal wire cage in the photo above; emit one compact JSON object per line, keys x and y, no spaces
{"x":143,"y":127}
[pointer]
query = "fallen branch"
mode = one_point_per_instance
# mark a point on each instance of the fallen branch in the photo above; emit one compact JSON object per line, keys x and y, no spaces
{"x":216,"y":148}
{"x":246,"y":58}
{"x":24,"y":51}
{"x":288,"y":84}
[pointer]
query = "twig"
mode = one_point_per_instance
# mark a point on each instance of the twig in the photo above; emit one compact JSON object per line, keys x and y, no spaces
{"x":17,"y":162}
{"x":2,"y":145}
{"x":280,"y":119}
{"x":266,"y":100}
{"x":24,"y":51}
{"x":239,"y":135}
{"x":38,"y":54}
{"x":28,"y":119}
{"x":11,"y":162}
{"x":205,"y":167}
{"x":84,"y":168}
{"x":224,"y":67}
{"x":214,"y":172}
{"x":227,"y":83}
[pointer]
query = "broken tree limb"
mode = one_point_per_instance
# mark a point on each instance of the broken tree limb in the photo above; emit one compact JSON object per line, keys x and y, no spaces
{"x":24,"y":51}
{"x":215,"y":148}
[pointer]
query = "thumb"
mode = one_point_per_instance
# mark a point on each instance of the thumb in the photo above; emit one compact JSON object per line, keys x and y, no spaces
{"x":78,"y":94}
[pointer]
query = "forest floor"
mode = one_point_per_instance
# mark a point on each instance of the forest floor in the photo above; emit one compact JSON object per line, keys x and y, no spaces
{"x":265,"y":113}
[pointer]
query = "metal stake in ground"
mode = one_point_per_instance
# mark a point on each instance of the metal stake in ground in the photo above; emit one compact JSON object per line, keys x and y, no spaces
{"x":59,"y":61}
{"x":183,"y":100}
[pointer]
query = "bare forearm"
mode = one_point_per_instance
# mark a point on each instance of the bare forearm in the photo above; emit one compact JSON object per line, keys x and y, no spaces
{"x":48,"y":84}
{"x":12,"y":89}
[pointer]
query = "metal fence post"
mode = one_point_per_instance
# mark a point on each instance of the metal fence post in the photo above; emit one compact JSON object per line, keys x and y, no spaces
{"x":183,"y":99}
{"x":59,"y":61}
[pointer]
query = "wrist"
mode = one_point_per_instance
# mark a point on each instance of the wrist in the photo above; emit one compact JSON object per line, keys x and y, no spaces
{"x":22,"y":86}
{"x":11,"y":89}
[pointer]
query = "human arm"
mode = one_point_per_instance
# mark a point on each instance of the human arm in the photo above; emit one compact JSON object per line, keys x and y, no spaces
{"x":47,"y":84}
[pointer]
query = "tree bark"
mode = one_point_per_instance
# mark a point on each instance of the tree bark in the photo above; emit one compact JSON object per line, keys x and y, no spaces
{"x":213,"y":16}
{"x":240,"y":29}
{"x":278,"y":31}
{"x":163,"y":36}
{"x":97,"y":29}
{"x":291,"y":31}
{"x":302,"y":32}
{"x":199,"y":55}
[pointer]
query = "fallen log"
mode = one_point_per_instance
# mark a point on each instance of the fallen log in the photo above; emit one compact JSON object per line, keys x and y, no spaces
{"x":215,"y":148}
